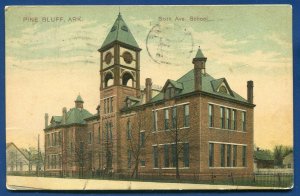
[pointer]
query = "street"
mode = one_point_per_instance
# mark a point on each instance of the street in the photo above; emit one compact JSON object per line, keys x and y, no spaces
{"x":42,"y":183}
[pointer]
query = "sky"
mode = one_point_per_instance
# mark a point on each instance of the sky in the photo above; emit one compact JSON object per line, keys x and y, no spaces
{"x":51,"y":57}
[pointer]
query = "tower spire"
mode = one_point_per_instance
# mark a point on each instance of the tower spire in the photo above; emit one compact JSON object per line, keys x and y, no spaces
{"x":119,"y":33}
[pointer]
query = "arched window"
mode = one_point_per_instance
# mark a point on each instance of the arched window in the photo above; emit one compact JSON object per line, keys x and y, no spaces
{"x":223,"y":89}
{"x":127,"y":79}
{"x":109,"y":79}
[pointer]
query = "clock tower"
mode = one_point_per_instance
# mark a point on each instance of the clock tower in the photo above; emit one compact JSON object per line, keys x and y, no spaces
{"x":119,"y":61}
{"x":119,"y":78}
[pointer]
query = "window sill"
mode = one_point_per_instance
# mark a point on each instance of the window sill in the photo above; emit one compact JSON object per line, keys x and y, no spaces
{"x":227,"y":129}
{"x":227,"y":167}
{"x":171,"y":168}
{"x":168,"y":130}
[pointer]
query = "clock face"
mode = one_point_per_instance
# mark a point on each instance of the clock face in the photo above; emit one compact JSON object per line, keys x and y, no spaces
{"x":127,"y":57}
{"x":108,"y":58}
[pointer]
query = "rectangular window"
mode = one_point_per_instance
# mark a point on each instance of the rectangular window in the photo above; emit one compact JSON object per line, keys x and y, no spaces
{"x":59,"y":161}
{"x":228,"y":155}
{"x":90,"y":138}
{"x":54,"y":161}
{"x":211,"y":155}
{"x":244,"y":156}
{"x":243,"y":121}
{"x":104,"y":106}
{"x":56,"y":138}
{"x":81,"y":149}
{"x":227,"y":110}
{"x":210,"y":115}
{"x":174,"y":117}
{"x":222,"y":153}
{"x":110,"y":131}
{"x":154,"y":120}
{"x":234,"y":161}
{"x":52,"y":139}
{"x":234,"y":119}
{"x":48,"y":140}
{"x":166,"y":155}
{"x":129,"y":130}
{"x":129,"y":158}
{"x":48,"y":165}
{"x":174,"y":160}
{"x":51,"y":161}
{"x":111,"y":105}
{"x":99,"y":135}
{"x":142,"y":137}
{"x":186,"y":122}
{"x":106,"y":131}
{"x":59,"y":138}
{"x":143,"y":163}
{"x":166,"y":111}
{"x":186,"y":155}
{"x":222,"y":117}
{"x":71,"y":147}
{"x":155,"y":157}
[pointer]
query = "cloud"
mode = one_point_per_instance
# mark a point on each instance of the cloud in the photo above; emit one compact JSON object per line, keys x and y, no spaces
{"x":224,"y":52}
{"x":282,"y":43}
{"x":56,"y":41}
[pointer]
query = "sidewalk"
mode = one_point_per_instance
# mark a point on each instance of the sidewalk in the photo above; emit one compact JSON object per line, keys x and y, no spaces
{"x":22,"y":183}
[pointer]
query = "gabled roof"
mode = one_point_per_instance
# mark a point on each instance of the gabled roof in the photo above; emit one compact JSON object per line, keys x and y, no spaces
{"x":187,"y":82}
{"x":263,"y":155}
{"x":134,"y":99}
{"x":217,"y":83}
{"x":289,"y":157}
{"x":120,"y":32}
{"x":14,"y":145}
{"x":56,"y":119}
{"x":174,"y":83}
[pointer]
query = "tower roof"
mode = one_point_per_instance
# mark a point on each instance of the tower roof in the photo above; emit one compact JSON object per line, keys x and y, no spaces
{"x":199,"y":54}
{"x":79,"y":99}
{"x":120,"y":32}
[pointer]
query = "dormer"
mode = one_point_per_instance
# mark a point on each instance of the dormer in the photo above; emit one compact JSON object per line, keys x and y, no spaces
{"x":221,"y":86}
{"x":130,"y":101}
{"x":171,"y":89}
{"x":55,"y":120}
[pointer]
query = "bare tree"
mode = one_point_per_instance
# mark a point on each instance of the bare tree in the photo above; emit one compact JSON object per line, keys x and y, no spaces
{"x":279,"y":152}
{"x":178,"y":138}
{"x":137,"y":140}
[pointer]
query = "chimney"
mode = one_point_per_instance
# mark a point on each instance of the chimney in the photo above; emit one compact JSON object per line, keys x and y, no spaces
{"x":46,"y":120}
{"x":199,"y":65}
{"x":250,"y":91}
{"x":64,"y":115}
{"x":148,"y":89}
{"x":198,"y":77}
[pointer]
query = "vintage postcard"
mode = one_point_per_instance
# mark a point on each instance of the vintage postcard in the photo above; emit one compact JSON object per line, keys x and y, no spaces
{"x":149,"y":97}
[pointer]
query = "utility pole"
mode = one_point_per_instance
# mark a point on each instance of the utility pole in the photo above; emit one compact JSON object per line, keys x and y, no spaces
{"x":38,"y":157}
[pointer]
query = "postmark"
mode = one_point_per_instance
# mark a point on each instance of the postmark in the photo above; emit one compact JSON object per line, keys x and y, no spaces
{"x":166,"y":43}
